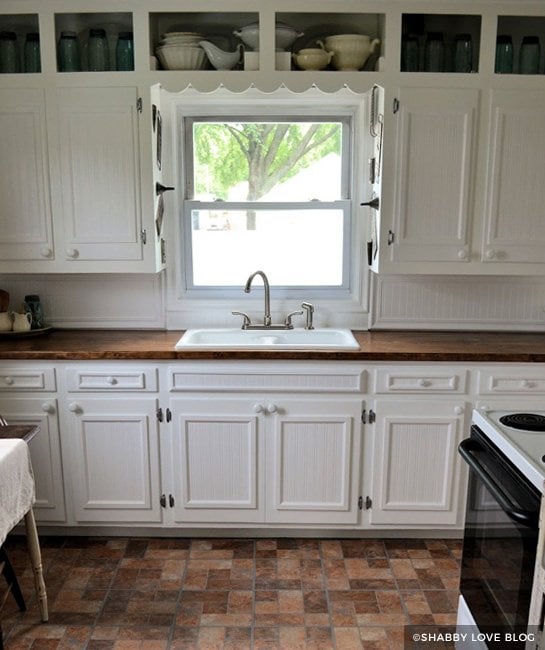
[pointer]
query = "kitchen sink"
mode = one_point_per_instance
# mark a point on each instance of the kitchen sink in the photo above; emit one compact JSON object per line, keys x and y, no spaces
{"x":297,"y":338}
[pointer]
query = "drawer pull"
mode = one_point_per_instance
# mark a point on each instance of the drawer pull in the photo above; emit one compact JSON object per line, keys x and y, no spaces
{"x":9,"y":381}
{"x":272,"y":408}
{"x":73,"y":407}
{"x":424,"y":383}
{"x":458,"y":410}
{"x":111,"y":380}
{"x":258,"y":408}
{"x":47,"y":407}
{"x":526,"y":384}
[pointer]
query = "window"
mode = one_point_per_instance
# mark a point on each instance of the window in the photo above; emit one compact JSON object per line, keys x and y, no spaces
{"x":270,"y":192}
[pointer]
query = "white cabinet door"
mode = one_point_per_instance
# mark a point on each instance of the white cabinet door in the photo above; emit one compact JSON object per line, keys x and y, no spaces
{"x":313,"y":459}
{"x":416,"y":467}
{"x":25,"y":210}
{"x":45,"y":452}
{"x":434,"y":160}
{"x":111,"y":452}
{"x":515,"y":228}
{"x":217,"y":460}
{"x":100,"y":167}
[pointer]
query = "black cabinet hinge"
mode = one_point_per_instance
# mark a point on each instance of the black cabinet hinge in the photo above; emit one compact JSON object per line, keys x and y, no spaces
{"x":159,"y":414}
{"x":368,"y":417}
{"x":368,"y":503}
{"x":169,"y":415}
{"x":171,"y":500}
{"x":163,"y":501}
{"x":395,"y":106}
{"x":360,"y":503}
{"x":139,"y":105}
{"x":391,"y":237}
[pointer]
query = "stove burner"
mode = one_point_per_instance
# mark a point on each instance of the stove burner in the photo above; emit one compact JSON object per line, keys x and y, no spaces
{"x":524,"y":421}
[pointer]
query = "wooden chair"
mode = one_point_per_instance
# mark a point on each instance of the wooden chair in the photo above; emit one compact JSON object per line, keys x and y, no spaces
{"x":6,"y":569}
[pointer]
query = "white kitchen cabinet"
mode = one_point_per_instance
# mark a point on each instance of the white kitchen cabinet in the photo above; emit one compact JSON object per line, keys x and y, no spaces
{"x":111,"y":457}
{"x":26,"y":233}
{"x":100,"y":171}
{"x":434,"y":164}
{"x":28,"y":395}
{"x":313,"y":460}
{"x":218,"y":449}
{"x":515,"y":195}
{"x":416,"y":470}
{"x":266,"y":459}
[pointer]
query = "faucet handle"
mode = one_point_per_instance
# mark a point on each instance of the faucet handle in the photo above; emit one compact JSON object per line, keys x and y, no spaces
{"x":246,"y":322}
{"x":309,"y":308}
{"x":288,"y":322}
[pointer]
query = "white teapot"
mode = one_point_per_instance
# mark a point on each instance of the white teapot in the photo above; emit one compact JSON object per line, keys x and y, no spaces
{"x":22,"y":322}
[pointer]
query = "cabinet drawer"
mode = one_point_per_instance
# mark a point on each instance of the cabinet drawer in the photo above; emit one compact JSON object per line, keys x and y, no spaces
{"x":421,"y":380}
{"x":249,"y":378}
{"x":114,"y":379}
{"x":23,"y":379}
{"x":518,"y":381}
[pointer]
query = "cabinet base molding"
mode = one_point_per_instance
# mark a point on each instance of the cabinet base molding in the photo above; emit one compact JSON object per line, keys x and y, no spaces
{"x":238,"y":533}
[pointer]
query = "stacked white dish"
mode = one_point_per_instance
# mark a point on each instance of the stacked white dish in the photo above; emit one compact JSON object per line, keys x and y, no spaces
{"x":181,"y":51}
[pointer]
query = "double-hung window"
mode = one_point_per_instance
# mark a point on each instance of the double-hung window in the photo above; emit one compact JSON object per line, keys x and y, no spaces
{"x":269,"y":192}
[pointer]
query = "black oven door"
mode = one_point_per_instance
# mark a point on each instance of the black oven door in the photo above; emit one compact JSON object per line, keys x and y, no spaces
{"x":500,"y":539}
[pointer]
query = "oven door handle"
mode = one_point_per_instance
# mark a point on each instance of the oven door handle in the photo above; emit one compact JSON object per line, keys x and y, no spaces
{"x":525,"y":517}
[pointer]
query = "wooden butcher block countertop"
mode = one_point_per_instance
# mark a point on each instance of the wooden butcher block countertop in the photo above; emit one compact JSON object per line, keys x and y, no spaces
{"x":65,"y":344}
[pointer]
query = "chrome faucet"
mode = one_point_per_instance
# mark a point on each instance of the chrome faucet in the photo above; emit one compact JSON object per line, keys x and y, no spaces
{"x":267,"y":289}
{"x":309,"y":308}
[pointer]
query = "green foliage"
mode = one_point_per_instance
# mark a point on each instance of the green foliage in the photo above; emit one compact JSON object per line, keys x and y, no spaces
{"x":262,"y":153}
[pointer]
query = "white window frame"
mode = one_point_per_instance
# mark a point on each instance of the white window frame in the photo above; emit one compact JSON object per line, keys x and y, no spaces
{"x":344,"y":203}
{"x":348,"y":305}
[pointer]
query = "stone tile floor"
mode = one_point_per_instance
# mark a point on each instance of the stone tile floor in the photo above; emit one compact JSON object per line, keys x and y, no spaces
{"x":158,"y":593}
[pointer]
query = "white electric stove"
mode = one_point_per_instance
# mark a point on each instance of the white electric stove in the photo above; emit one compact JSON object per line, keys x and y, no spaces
{"x":506,"y":456}
{"x":520,"y":435}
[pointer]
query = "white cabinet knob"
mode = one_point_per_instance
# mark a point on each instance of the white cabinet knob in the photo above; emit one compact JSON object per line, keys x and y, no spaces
{"x":47,"y":407}
{"x":462,"y":254}
{"x":272,"y":408}
{"x":490,"y":254}
{"x":458,"y":410}
{"x":526,"y":384}
{"x":46,"y":252}
{"x":424,"y":382}
{"x":73,"y":407}
{"x":71,"y":252}
{"x":111,"y":380}
{"x":8,"y":381}
{"x":258,"y":408}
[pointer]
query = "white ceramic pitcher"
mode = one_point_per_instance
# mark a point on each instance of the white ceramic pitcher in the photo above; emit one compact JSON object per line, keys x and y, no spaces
{"x":22,"y":322}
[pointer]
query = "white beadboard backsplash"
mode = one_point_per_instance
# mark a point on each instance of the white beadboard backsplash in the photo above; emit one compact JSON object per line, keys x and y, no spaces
{"x":95,"y":301}
{"x":454,"y":302}
{"x":398,"y":302}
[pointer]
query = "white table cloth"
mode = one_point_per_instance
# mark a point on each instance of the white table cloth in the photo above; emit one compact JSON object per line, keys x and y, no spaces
{"x":16,"y":484}
{"x":16,"y":498}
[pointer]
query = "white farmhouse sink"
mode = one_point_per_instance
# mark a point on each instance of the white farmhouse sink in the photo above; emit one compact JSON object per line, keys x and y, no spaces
{"x":298,"y":338}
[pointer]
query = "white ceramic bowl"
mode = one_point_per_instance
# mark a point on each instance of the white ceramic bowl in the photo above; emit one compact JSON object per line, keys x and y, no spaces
{"x":350,"y":51}
{"x":181,"y":57}
{"x":313,"y":58}
{"x":180,"y":40}
{"x":285,"y":36}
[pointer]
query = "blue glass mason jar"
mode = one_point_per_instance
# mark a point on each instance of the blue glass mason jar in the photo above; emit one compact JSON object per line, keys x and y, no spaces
{"x":8,"y":52}
{"x":97,"y":51}
{"x":504,"y":54}
{"x":529,"y":56}
{"x":69,"y":56}
{"x":124,"y":52}
{"x":463,"y":53}
{"x":32,"y":61}
{"x":434,"y":53}
{"x":410,"y":55}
